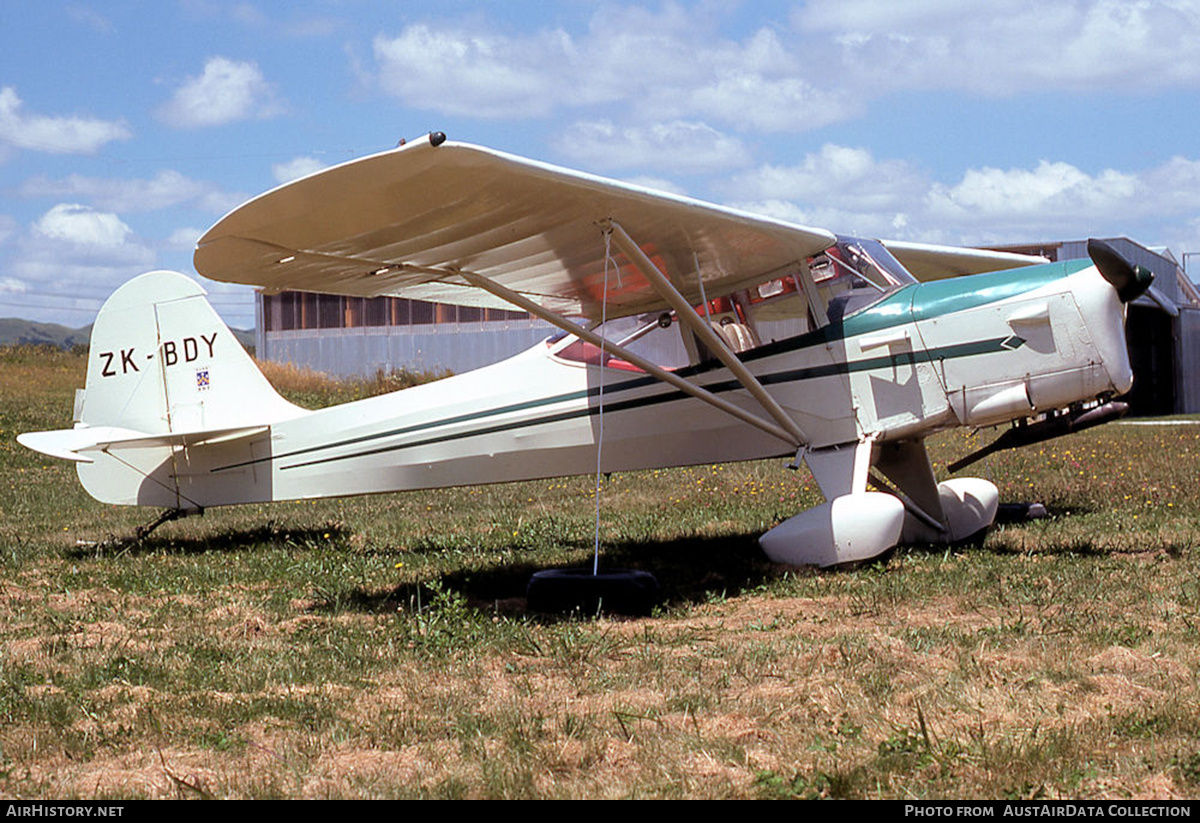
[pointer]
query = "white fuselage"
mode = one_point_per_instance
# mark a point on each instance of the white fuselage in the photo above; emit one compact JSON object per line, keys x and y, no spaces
{"x":971,"y":351}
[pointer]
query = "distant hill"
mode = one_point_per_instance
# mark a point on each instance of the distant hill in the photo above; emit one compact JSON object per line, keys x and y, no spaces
{"x":15,"y":332}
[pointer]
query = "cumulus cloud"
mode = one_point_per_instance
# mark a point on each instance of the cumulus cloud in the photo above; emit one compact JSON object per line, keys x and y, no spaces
{"x":476,"y":74}
{"x":773,"y":104}
{"x":166,"y":189}
{"x":74,"y":256}
{"x":183,"y":239}
{"x":825,"y":64}
{"x":836,"y":176}
{"x":1007,"y":46}
{"x":678,"y":146}
{"x":78,"y":224}
{"x":225,"y":92}
{"x":662,"y":66}
{"x":295,"y":169}
{"x":848,"y":190}
{"x":1049,"y":192}
{"x":56,"y":135}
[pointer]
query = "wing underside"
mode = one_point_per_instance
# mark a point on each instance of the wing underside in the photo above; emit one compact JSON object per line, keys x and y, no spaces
{"x":407,"y":221}
{"x":411,"y":221}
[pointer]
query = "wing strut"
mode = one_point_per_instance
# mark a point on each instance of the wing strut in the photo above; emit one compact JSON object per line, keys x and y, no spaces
{"x":688,"y":315}
{"x":653,"y":369}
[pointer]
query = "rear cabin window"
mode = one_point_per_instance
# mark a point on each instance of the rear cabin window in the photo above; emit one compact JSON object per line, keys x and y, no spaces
{"x":850,"y":276}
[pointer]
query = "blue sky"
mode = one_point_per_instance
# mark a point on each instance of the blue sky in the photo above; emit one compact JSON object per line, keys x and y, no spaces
{"x":126,"y":129}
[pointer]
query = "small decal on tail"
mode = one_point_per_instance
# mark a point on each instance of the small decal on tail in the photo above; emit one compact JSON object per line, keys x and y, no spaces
{"x":201,"y":379}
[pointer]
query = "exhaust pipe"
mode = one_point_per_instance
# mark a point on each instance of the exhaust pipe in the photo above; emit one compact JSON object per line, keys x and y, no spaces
{"x":1064,"y":424}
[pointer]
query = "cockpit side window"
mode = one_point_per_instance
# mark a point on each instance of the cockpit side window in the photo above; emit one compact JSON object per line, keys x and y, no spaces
{"x":849,"y":276}
{"x":655,"y":337}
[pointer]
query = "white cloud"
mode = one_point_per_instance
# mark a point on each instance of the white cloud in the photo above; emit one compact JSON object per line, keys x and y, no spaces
{"x":848,"y":190}
{"x":80,"y":225}
{"x":480,"y":75}
{"x":295,"y":169}
{"x":1049,"y":193}
{"x":678,"y":146}
{"x":75,"y":256}
{"x":662,"y":66}
{"x":772,"y":104}
{"x":56,"y":135}
{"x":825,"y":64}
{"x":836,"y":176}
{"x":183,"y":239}
{"x":166,"y":189}
{"x":225,"y":92}
{"x":1006,"y":46}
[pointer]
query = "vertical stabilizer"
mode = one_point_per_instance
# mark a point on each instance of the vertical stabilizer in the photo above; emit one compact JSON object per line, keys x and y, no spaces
{"x":167,"y":384}
{"x":162,"y":361}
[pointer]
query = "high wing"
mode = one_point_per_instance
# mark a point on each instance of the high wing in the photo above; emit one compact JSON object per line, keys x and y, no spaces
{"x":406,"y":221}
{"x":928,"y":262}
{"x":410,"y":221}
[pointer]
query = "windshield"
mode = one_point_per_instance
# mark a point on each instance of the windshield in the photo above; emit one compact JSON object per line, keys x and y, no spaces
{"x":855,"y":273}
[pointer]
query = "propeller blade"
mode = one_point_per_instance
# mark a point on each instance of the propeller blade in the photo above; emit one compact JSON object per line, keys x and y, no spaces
{"x":1129,"y":279}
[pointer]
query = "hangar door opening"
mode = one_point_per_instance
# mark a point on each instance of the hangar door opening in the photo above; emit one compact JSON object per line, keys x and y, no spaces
{"x":1150,"y":333}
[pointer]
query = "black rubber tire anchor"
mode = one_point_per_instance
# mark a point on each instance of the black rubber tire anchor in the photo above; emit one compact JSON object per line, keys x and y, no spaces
{"x":614,"y":591}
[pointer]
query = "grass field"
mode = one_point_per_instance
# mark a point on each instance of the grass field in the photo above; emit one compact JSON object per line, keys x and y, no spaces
{"x":380,"y":646}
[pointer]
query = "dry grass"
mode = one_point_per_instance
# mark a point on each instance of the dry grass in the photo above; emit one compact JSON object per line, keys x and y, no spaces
{"x":312,"y":388}
{"x":380,"y":647}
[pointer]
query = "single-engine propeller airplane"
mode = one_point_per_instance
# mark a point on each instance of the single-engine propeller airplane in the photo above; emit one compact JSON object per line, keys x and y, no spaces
{"x":694,"y":333}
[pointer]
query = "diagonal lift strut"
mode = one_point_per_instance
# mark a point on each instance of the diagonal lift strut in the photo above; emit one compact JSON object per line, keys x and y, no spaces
{"x":703,"y":330}
{"x":556,"y":319}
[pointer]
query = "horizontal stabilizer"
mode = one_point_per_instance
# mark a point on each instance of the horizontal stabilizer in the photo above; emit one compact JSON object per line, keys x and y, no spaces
{"x":69,"y":444}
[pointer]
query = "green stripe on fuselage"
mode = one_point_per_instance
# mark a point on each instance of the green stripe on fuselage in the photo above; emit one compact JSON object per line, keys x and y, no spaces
{"x":813,"y":372}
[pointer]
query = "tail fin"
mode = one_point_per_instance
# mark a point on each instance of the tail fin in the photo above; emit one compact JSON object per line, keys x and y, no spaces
{"x":162,"y":361}
{"x":166,"y":379}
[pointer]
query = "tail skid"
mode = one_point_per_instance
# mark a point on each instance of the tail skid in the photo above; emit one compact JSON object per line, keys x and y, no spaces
{"x":165,"y":374}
